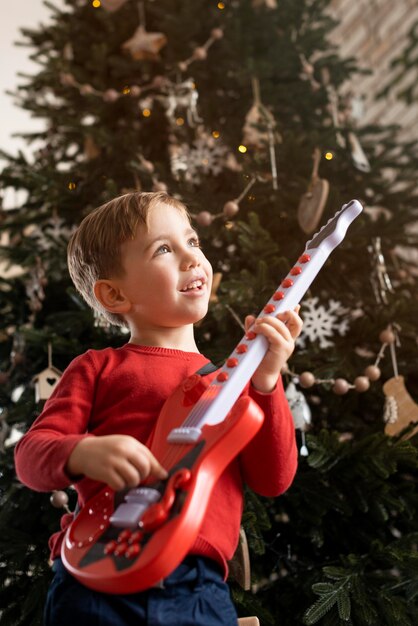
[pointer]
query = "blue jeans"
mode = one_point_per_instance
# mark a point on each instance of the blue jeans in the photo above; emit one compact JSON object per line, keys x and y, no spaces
{"x":195,"y":594}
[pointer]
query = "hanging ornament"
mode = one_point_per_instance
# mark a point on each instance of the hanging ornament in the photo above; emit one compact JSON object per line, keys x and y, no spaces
{"x":183,"y":96}
{"x":112,"y":5}
{"x":260,"y":129}
{"x":379,"y":276}
{"x":46,"y":381}
{"x":400,"y":408}
{"x":206,"y":157}
{"x":145,"y":46}
{"x":312,"y":203}
{"x":301,"y":413}
{"x":321,"y":323}
{"x":357,"y":153}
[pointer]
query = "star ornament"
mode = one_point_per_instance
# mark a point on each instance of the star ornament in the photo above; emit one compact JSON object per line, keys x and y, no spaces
{"x":145,"y":46}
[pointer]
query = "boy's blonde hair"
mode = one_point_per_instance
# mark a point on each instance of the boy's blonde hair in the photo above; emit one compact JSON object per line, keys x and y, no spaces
{"x":94,"y":250}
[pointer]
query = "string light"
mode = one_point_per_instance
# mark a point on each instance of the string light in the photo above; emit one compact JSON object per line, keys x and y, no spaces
{"x":179,"y":121}
{"x":242,"y":149}
{"x":221,"y":5}
{"x":216,"y":134}
{"x":329,"y":156}
{"x":96,"y":4}
{"x":126,"y":90}
{"x":71,"y":186}
{"x":146,"y":112}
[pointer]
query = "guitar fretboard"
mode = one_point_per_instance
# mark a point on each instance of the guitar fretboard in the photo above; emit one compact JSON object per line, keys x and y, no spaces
{"x":219,"y":398}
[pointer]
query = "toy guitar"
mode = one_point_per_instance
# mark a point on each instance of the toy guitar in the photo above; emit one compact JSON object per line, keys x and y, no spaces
{"x":127,"y":541}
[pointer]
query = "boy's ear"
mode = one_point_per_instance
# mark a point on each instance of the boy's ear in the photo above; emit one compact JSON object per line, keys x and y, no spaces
{"x":111,"y":297}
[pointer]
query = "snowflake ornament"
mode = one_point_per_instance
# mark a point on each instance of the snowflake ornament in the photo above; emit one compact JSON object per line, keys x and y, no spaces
{"x":320,"y":323}
{"x":206,"y":157}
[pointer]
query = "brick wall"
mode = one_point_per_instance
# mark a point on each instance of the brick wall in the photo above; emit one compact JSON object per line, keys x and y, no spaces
{"x":375,"y":32}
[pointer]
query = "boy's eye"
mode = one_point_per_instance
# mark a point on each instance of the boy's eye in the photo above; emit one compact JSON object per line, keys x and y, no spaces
{"x":162,"y":249}
{"x":194,"y":242}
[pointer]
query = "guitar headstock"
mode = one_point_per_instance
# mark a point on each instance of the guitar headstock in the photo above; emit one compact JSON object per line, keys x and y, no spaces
{"x":334,"y":230}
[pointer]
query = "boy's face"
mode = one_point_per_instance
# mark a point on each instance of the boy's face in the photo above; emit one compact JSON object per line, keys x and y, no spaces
{"x":167,"y":277}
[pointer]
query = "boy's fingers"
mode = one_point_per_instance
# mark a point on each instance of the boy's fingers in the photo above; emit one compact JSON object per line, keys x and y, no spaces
{"x":156,"y":468}
{"x":249,"y":320}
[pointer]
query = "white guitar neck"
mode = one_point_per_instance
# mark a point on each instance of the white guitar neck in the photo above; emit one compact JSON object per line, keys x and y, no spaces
{"x":219,"y":398}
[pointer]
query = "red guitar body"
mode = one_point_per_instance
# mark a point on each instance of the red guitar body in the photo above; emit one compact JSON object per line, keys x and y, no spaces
{"x":126,"y":560}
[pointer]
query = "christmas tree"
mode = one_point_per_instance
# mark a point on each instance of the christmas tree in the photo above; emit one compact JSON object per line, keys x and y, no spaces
{"x":236,"y":108}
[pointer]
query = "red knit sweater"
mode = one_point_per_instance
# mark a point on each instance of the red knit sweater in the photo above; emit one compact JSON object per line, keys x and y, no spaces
{"x":121,"y":391}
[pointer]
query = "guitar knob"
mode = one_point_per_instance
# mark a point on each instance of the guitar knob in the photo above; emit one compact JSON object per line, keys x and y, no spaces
{"x":193,"y":388}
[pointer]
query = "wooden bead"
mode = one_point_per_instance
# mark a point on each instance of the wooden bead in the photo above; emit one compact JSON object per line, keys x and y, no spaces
{"x":231,"y":208}
{"x":306,"y":380}
{"x":59,"y":499}
{"x":204,"y":218}
{"x":362,"y":383}
{"x":217,"y":33}
{"x":372,"y":372}
{"x":200,"y":54}
{"x":341,"y":386}
{"x":387,"y":336}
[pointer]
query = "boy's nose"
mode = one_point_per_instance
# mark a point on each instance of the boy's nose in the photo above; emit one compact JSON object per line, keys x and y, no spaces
{"x":190,"y":259}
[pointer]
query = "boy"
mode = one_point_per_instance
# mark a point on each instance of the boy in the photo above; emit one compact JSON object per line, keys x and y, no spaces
{"x":138,"y":261}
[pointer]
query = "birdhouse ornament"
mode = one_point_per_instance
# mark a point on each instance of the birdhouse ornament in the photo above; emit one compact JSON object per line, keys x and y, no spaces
{"x":46,"y":381}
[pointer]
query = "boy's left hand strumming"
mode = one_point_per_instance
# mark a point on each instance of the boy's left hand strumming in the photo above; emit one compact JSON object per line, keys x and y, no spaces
{"x":281,"y":332}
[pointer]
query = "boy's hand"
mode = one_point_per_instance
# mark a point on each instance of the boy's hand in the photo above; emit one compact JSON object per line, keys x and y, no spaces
{"x":281,"y":332}
{"x":118,"y":460}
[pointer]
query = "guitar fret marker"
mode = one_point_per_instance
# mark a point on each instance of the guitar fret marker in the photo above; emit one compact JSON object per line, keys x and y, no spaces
{"x":287,"y":282}
{"x":242,"y":348}
{"x":279,"y":295}
{"x":269,"y":308}
{"x":305,"y":258}
{"x":251,"y":335}
{"x":222,"y":377}
{"x":295,"y":271}
{"x":232,"y":362}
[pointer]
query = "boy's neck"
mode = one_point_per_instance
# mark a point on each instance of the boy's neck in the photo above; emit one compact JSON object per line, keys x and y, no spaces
{"x":173,"y":338}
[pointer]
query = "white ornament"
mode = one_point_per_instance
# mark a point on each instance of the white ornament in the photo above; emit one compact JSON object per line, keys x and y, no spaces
{"x":300,"y":409}
{"x":182,"y":96}
{"x":206,"y":157}
{"x":321,"y":323}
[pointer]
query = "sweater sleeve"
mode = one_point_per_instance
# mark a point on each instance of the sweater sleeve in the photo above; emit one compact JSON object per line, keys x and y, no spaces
{"x":269,"y":461}
{"x":42,"y":453}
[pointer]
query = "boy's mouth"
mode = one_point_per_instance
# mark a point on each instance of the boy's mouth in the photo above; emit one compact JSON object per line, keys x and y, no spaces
{"x":194,"y":284}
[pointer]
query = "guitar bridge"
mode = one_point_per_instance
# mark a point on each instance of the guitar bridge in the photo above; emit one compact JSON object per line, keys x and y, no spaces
{"x":137,"y":501}
{"x":184,"y":435}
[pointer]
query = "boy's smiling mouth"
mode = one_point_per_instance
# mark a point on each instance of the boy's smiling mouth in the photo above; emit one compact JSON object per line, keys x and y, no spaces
{"x":195,"y":284}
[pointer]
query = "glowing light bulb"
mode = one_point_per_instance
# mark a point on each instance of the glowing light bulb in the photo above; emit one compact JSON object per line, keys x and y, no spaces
{"x":242,"y":149}
{"x":146,"y":112}
{"x":329,"y":156}
{"x":126,"y":90}
{"x":71,"y":186}
{"x":179,"y":121}
{"x":221,"y":5}
{"x":216,"y":134}
{"x":96,"y":4}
